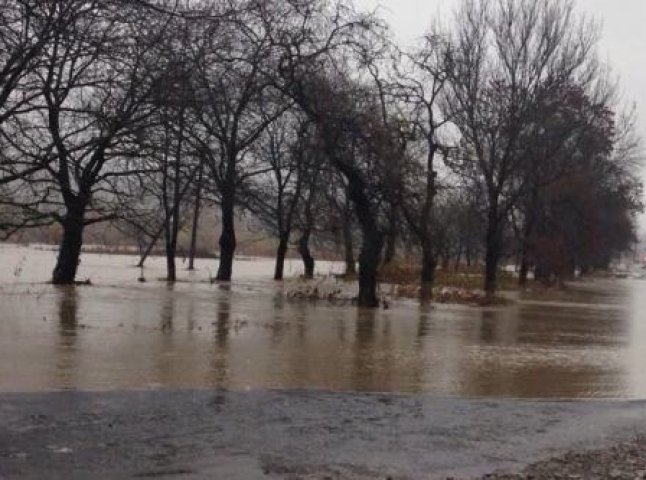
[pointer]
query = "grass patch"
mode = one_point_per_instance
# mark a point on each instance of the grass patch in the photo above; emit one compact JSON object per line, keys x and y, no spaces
{"x":469,"y":278}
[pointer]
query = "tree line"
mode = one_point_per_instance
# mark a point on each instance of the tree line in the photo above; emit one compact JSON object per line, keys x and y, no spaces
{"x":499,"y":135}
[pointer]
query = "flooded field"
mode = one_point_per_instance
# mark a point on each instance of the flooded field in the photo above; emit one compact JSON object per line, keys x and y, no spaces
{"x":121,"y":334}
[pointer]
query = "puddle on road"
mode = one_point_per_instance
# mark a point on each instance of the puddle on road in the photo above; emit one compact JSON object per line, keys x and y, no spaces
{"x":119,"y":334}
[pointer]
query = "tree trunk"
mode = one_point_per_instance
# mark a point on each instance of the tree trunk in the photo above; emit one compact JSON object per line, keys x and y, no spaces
{"x":70,"y":249}
{"x":391,"y":242}
{"x":304,"y":251}
{"x":446,"y":260}
{"x":458,"y":258}
{"x":170,"y":245}
{"x":368,"y":268}
{"x":280,"y":256}
{"x":372,"y":236}
{"x":171,"y":269}
{"x":227,"y":238}
{"x":196,"y":220}
{"x":570,"y":270}
{"x":542,"y":273}
{"x":428,"y":272}
{"x":492,"y":254}
{"x":429,"y":262}
{"x":525,"y":249}
{"x":170,"y":237}
{"x":171,"y":202}
{"x":524,"y":270}
{"x":150,"y":247}
{"x":350,"y":264}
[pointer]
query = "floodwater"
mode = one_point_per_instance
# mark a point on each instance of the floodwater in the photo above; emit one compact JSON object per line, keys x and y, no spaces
{"x":121,"y":334}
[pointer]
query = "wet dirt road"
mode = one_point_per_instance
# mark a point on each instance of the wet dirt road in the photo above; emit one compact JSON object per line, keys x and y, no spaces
{"x":293,"y":434}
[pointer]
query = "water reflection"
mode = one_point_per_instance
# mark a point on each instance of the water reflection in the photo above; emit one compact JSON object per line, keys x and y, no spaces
{"x":364,"y":350}
{"x":202,"y":335}
{"x":68,"y":314}
{"x":219,"y":368}
{"x":167,"y":310}
{"x":500,"y":327}
{"x":68,"y":323}
{"x":222,"y":323}
{"x":424,"y":321}
{"x":190,"y":317}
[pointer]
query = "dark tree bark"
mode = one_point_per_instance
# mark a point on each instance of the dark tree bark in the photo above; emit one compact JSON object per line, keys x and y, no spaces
{"x":172,"y":202}
{"x":151,"y":245}
{"x":281,"y":252}
{"x":368,"y":268}
{"x":171,"y":269}
{"x":196,"y":219}
{"x":308,"y":227}
{"x":530,"y":207}
{"x":372,"y":242}
{"x":391,"y":239}
{"x":492,"y":255}
{"x":542,"y":273}
{"x":428,"y":271}
{"x":228,"y":236}
{"x":524,"y":270}
{"x":70,"y":249}
{"x":570,"y":270}
{"x":348,"y":244}
{"x":524,"y":257}
{"x":458,"y":258}
{"x":170,"y":246}
{"x":304,"y":251}
{"x":446,"y":260}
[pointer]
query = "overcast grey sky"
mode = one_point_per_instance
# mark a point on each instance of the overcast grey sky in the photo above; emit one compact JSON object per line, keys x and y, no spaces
{"x":623,"y":43}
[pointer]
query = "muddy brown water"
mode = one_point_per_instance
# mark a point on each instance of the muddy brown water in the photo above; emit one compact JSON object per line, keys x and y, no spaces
{"x":588,"y":342}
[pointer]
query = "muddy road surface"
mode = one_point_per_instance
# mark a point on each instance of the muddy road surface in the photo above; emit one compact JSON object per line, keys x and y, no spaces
{"x":293,"y":434}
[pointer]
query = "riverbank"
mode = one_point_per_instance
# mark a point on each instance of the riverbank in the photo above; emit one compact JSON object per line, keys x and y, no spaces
{"x":296,"y":434}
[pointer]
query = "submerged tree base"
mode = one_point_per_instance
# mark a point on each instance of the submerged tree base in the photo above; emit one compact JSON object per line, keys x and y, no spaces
{"x":75,"y":283}
{"x":327,"y":288}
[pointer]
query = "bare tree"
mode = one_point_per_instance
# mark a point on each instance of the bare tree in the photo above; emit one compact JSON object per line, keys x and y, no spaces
{"x":177,"y":163}
{"x":26,"y":29}
{"x":421,"y":88}
{"x":342,"y":220}
{"x":504,"y":52}
{"x":321,"y":51}
{"x":197,"y":205}
{"x":275,"y":196}
{"x":311,"y":200}
{"x":95,"y":78}
{"x":237,"y":102}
